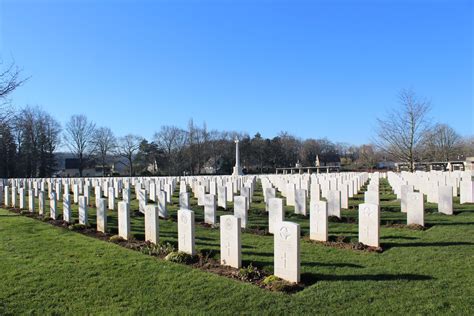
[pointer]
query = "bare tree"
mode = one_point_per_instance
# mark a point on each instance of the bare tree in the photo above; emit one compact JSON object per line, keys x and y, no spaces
{"x":171,"y":140}
{"x":104,"y":143}
{"x":127,"y":147}
{"x":443,"y":143}
{"x":9,"y":81}
{"x":402,"y":133}
{"x":79,"y":137}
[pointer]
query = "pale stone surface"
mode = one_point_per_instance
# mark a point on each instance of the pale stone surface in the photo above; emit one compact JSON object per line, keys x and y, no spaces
{"x":230,"y":191}
{"x":415,"y":208}
{"x":111,"y":198}
{"x":184,"y":200}
{"x":318,"y":220}
{"x":152,"y":192}
{"x":201,"y":191}
{"x":210,"y":209}
{"x":124,"y":220}
{"x":1,"y":195}
{"x":231,"y":249}
{"x":270,"y":193}
{"x":75,"y":193}
{"x":87,"y":193}
{"x":21,"y":193}
{"x":162,"y":210}
{"x":300,"y":202}
{"x":334,"y":203}
{"x":52,"y":206}
{"x":276,"y":213}
{"x":290,"y":194}
{"x":67,"y":212}
{"x":246,"y":192}
{"x":344,"y":196}
{"x":142,"y":200}
{"x":101,"y":215}
{"x":126,"y":195}
{"x":186,"y":231}
{"x":6,"y":198}
{"x":41,"y":203}
{"x":31,"y":201}
{"x":152,"y":226}
{"x":287,"y":251}
{"x":240,"y":210}
{"x":404,"y":190}
{"x":466,"y":191}
{"x":445,"y":200}
{"x":372,"y":197}
{"x":13,"y":197}
{"x":222,"y":197}
{"x":83,"y":215}
{"x":315,"y":193}
{"x":97,"y":195}
{"x":369,"y":224}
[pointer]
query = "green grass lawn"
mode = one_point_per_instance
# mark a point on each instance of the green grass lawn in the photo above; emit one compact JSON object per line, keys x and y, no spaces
{"x":49,"y":270}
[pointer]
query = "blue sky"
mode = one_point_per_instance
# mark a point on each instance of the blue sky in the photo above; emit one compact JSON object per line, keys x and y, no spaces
{"x":312,"y":68}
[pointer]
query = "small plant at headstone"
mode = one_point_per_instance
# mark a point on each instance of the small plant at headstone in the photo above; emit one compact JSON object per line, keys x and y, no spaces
{"x":116,"y":239}
{"x":77,"y":227}
{"x":250,"y":273}
{"x":180,"y":257}
{"x":160,"y":249}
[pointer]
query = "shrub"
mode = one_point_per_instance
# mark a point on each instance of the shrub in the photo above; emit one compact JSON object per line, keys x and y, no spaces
{"x":180,"y":257}
{"x":116,"y":239}
{"x":274,"y":283}
{"x":77,"y":227}
{"x":162,"y":248}
{"x":250,"y":273}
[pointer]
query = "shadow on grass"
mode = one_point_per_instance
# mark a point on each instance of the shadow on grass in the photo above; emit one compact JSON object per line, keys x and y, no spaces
{"x":311,"y":278}
{"x":426,"y":244}
{"x":451,"y":223}
{"x":339,"y":265}
{"x":400,"y":237}
{"x":262,"y":254}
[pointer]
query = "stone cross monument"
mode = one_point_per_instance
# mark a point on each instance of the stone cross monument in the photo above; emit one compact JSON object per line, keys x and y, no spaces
{"x":237,"y":169}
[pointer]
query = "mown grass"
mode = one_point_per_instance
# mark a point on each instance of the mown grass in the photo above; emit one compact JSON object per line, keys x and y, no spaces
{"x":49,"y":270}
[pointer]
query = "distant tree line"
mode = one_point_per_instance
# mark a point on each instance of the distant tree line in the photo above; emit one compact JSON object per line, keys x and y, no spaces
{"x":30,"y":137}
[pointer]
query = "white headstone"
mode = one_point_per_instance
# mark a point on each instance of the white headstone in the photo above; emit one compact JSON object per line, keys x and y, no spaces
{"x":124,"y":220}
{"x":334,"y":203}
{"x":222,"y":197}
{"x":231,"y":252}
{"x":31,"y":201}
{"x":152,"y":226}
{"x":369,"y":224}
{"x":415,"y":208}
{"x":184,"y":200}
{"x":186,"y":231}
{"x":67,"y":212}
{"x":111,"y":198}
{"x":300,"y":202}
{"x":101,"y":215}
{"x":83,"y":216}
{"x":240,"y":209}
{"x":210,"y":209}
{"x":318,"y":220}
{"x":52,"y":205}
{"x":270,"y":193}
{"x":162,"y":210}
{"x":287,"y":251}
{"x":276,"y":213}
{"x":445,"y":200}
{"x":41,"y":203}
{"x":404,"y":190}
